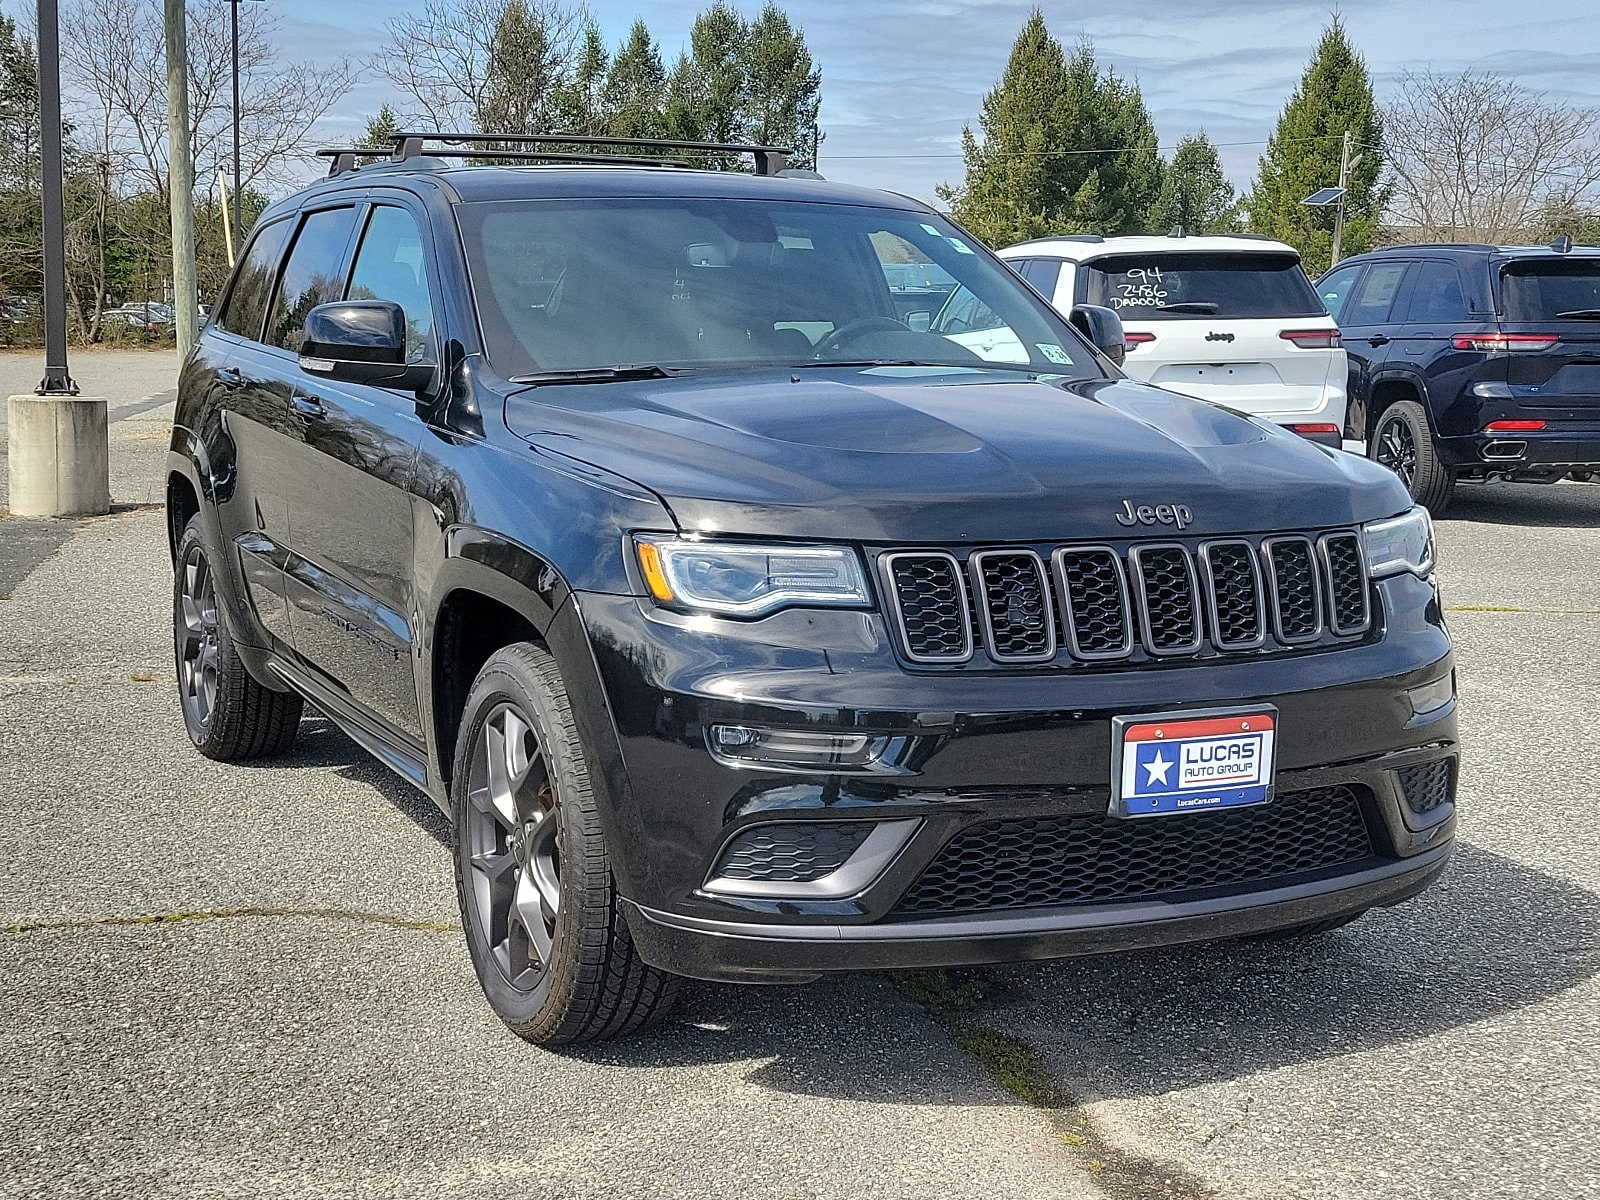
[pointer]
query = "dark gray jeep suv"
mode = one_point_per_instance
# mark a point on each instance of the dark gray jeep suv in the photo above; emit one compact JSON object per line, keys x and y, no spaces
{"x":750,"y":626}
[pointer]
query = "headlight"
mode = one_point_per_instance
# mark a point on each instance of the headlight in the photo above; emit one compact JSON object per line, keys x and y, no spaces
{"x":743,"y":580}
{"x":1403,"y":543}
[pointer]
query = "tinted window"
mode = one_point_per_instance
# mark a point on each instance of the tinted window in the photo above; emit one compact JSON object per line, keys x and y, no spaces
{"x":247,"y":301}
{"x":705,"y":284}
{"x":389,"y":267}
{"x":1543,"y":289}
{"x":1436,"y":294}
{"x":1374,"y":299}
{"x":1335,"y":289}
{"x":312,"y":276}
{"x":1186,"y":286}
{"x":1042,"y":273}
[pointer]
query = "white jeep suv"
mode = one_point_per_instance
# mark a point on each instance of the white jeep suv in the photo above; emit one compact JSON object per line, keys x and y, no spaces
{"x":1230,"y":319}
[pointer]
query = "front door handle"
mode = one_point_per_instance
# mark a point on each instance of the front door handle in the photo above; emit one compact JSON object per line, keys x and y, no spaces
{"x":309,"y":407}
{"x":1378,"y":339}
{"x":230,"y":377}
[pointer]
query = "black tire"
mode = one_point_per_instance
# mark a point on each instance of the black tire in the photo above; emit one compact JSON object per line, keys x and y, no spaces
{"x":229,"y":715}
{"x":1402,"y":440}
{"x":1312,"y":928}
{"x":579,"y":977}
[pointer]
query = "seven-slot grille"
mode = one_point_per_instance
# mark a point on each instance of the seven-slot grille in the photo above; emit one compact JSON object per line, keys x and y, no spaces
{"x":1104,"y":604}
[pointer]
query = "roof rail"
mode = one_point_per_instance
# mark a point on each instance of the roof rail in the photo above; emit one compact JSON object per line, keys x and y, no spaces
{"x":1403,"y":249}
{"x":769,"y":160}
{"x":344,"y":158}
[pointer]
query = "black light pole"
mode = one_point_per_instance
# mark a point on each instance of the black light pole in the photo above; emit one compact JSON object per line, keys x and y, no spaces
{"x":57,"y":381}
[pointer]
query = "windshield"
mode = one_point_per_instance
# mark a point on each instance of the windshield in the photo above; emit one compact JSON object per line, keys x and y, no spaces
{"x":583,"y":285}
{"x":1544,"y":289}
{"x":1165,"y":287}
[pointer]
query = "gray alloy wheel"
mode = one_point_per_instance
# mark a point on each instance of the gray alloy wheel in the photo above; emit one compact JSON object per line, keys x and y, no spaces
{"x":1402,"y":440}
{"x":199,"y":637}
{"x":513,"y":843}
{"x":228,"y":714}
{"x":544,"y":924}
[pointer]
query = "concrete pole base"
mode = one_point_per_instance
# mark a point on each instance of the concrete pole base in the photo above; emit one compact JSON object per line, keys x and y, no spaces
{"x":59,"y":456}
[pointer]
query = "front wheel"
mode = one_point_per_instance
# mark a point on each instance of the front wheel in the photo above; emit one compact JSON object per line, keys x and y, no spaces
{"x":1402,"y":440}
{"x":230,"y":717}
{"x":543,"y":925}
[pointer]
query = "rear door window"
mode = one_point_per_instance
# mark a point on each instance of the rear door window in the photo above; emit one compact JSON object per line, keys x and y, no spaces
{"x":1436,"y":295}
{"x":313,"y":275}
{"x":1042,"y":273}
{"x":1550,"y":289}
{"x":1335,"y":289}
{"x":1214,"y":284}
{"x":246,"y":306}
{"x":1373,"y":301}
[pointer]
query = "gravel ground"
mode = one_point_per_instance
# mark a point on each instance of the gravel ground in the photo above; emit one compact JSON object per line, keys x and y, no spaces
{"x":304,"y":1022}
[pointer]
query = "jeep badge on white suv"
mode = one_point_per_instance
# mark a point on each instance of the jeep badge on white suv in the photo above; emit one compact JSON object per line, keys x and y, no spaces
{"x":1230,"y":319}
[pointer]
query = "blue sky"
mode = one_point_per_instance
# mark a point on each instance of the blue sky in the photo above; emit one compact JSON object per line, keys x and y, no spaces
{"x":901,"y":77}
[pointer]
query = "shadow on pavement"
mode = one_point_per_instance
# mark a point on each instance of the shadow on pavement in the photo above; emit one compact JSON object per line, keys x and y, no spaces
{"x":1562,"y":505}
{"x":1494,"y":937}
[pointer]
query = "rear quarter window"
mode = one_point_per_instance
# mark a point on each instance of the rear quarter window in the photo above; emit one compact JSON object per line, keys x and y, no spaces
{"x":1158,"y":287}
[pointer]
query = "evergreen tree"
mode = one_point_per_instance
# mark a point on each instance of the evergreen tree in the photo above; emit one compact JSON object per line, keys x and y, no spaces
{"x":381,"y":130}
{"x":1195,"y":194}
{"x":579,"y":101}
{"x":1065,"y":148}
{"x":1335,"y":95}
{"x":635,"y":90}
{"x":523,"y":73}
{"x":710,"y":85}
{"x":784,"y":86}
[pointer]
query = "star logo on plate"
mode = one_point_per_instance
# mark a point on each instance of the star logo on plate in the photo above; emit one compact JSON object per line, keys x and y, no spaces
{"x":1158,"y":768}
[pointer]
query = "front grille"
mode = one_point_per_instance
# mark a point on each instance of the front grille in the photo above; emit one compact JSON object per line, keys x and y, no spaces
{"x":1103,"y":603}
{"x":1052,"y":861}
{"x":796,"y":853}
{"x":1349,"y":607}
{"x":932,"y":606}
{"x":1014,"y":595}
{"x":1428,"y":786}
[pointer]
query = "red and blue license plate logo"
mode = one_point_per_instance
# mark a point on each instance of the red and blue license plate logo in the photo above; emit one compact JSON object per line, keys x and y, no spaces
{"x":1192,"y":764}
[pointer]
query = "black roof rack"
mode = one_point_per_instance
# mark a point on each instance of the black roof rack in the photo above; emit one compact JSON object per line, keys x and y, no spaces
{"x":1403,"y":249}
{"x":344,"y":157}
{"x":769,"y":160}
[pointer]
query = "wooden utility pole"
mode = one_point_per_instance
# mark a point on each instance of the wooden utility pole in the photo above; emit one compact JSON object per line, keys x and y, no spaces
{"x":1347,"y":163}
{"x":180,"y":178}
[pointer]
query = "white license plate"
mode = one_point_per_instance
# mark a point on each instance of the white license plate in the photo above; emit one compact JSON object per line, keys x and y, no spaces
{"x":1186,"y":762}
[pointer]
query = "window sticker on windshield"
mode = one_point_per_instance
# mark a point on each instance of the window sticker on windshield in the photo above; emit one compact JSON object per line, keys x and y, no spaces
{"x":958,"y":245}
{"x":1054,"y":353}
{"x":926,"y":228}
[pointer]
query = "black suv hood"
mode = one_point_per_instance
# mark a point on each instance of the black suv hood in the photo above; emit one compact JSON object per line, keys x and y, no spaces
{"x":914,"y":455}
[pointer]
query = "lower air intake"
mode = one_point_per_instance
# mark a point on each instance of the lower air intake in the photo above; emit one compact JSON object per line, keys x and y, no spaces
{"x":796,"y":853}
{"x":1051,"y":861}
{"x":1428,"y":786}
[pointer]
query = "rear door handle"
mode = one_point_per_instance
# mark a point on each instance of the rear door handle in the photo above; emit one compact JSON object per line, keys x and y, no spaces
{"x":1377,"y":339}
{"x":230,"y":377}
{"x":309,"y":407}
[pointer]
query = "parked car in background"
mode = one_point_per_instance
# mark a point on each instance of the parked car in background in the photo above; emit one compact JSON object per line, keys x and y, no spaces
{"x":1231,"y":319}
{"x":151,"y":319}
{"x":1473,"y":362}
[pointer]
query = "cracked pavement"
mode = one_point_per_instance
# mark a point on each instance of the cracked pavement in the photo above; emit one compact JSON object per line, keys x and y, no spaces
{"x":247,"y":981}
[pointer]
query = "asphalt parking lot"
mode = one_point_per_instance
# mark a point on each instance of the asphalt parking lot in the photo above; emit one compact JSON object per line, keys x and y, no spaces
{"x":247,"y":981}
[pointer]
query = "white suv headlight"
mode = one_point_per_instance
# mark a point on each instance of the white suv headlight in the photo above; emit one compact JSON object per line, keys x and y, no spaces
{"x":738,"y":579}
{"x":1403,"y":543}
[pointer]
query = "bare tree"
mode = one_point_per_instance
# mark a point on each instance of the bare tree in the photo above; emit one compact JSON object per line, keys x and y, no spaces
{"x":445,"y":60}
{"x":113,"y":54}
{"x":1479,"y":157}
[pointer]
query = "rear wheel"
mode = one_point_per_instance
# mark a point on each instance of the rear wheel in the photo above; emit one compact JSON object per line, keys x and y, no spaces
{"x":543,"y":924}
{"x":1402,"y":440}
{"x":230,"y":717}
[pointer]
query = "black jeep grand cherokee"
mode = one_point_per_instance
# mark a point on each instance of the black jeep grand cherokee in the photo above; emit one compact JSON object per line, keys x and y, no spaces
{"x":749,"y":627}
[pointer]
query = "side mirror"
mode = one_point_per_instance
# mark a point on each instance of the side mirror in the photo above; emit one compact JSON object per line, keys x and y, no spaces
{"x":362,"y":341}
{"x":920,"y":321}
{"x":1103,"y":328}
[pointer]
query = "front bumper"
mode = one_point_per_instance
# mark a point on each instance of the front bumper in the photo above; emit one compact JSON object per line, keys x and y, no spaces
{"x":992,"y":747}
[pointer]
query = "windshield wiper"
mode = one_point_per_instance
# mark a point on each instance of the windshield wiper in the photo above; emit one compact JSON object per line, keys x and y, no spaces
{"x":864,"y":362}
{"x":1581,"y":314}
{"x":1183,"y":306}
{"x":604,"y":374}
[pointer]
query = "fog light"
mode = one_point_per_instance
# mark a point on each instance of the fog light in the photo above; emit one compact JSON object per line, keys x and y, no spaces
{"x":1431,"y":697}
{"x":751,"y":745}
